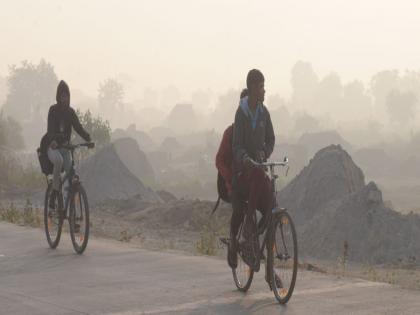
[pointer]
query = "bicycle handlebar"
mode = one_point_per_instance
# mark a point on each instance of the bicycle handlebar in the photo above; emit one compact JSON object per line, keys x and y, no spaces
{"x":270,"y":164}
{"x":72,"y":147}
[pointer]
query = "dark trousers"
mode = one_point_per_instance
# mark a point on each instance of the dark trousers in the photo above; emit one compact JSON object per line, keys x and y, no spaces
{"x":254,"y":186}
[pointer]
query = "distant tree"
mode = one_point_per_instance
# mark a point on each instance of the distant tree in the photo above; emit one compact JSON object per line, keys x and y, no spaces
{"x":410,"y":81}
{"x":306,"y":123}
{"x":357,"y":103}
{"x":224,"y":112}
{"x":382,"y":84}
{"x":2,"y":134}
{"x":401,"y":106}
{"x":329,"y":96}
{"x":10,"y":133}
{"x":304,"y":84}
{"x":110,"y":97}
{"x":3,"y":90}
{"x":176,"y":118}
{"x":98,"y":128}
{"x":275,"y":101}
{"x":282,"y":120}
{"x":31,"y":88}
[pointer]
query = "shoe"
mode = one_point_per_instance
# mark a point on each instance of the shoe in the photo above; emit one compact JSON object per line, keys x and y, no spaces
{"x":232,"y":253}
{"x":279,"y":283}
{"x":53,"y":197}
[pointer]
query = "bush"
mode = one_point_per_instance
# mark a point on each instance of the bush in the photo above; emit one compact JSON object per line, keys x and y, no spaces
{"x":207,"y":243}
{"x":14,"y":174}
{"x":10,"y":214}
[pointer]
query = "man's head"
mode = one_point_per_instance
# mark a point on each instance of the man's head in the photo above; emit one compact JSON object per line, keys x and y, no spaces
{"x":63,"y":94}
{"x":255,"y":84}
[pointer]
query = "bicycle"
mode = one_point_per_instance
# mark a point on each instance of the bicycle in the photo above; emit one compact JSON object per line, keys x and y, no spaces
{"x":74,"y":207}
{"x":282,"y":253}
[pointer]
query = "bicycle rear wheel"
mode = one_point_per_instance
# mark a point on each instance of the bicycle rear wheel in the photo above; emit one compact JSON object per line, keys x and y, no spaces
{"x":53,"y":219}
{"x":79,"y":219}
{"x":282,"y":258}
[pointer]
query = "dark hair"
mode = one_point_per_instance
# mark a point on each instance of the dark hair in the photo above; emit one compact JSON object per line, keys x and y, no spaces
{"x":254,"y":77}
{"x":244,"y":93}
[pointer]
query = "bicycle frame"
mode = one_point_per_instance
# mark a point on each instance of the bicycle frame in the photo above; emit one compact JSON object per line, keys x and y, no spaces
{"x":267,"y":229}
{"x":273,"y":179}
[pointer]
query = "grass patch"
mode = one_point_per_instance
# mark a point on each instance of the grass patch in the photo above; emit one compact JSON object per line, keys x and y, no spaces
{"x":28,"y":216}
{"x":10,"y":214}
{"x":207,"y":244}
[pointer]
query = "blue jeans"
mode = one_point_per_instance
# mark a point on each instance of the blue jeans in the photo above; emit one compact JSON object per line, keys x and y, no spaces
{"x":60,"y":158}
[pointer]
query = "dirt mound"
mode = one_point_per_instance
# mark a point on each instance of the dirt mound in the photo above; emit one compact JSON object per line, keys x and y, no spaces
{"x":145,"y":142}
{"x":105,"y":176}
{"x":331,"y":205}
{"x":136,"y":161}
{"x":374,"y":233}
{"x":176,"y":118}
{"x":330,"y":175}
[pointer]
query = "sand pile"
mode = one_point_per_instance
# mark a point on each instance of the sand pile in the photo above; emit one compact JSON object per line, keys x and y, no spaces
{"x":135,"y":160}
{"x":374,"y":232}
{"x":330,"y":175}
{"x":145,"y":142}
{"x":331,"y":204}
{"x":105,"y":177}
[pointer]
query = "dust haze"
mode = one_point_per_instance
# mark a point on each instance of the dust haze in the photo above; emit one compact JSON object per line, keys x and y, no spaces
{"x":157,"y":82}
{"x":335,"y":72}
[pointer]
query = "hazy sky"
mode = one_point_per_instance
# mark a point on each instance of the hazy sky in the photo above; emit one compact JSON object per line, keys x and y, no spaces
{"x":208,"y":44}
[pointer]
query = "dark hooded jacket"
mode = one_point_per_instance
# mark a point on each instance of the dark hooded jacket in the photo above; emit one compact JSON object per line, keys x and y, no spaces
{"x":61,"y":119}
{"x":252,"y":135}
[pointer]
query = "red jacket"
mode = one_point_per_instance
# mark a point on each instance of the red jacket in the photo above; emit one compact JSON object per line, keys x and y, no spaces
{"x":224,"y":157}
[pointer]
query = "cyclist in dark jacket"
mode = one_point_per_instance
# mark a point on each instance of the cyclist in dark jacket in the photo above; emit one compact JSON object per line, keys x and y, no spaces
{"x":253,"y":138}
{"x":61,"y":119}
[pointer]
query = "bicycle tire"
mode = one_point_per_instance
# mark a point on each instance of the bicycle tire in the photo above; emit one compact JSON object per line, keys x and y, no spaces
{"x":52,"y":241}
{"x":242,"y":286}
{"x":79,"y":196}
{"x":283,"y":296}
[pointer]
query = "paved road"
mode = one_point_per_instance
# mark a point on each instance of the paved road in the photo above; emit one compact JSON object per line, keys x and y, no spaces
{"x":115,"y":278}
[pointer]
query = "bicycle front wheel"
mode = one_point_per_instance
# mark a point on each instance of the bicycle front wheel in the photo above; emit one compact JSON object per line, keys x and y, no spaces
{"x":79,"y":219}
{"x":53,"y":220}
{"x":282,"y":258}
